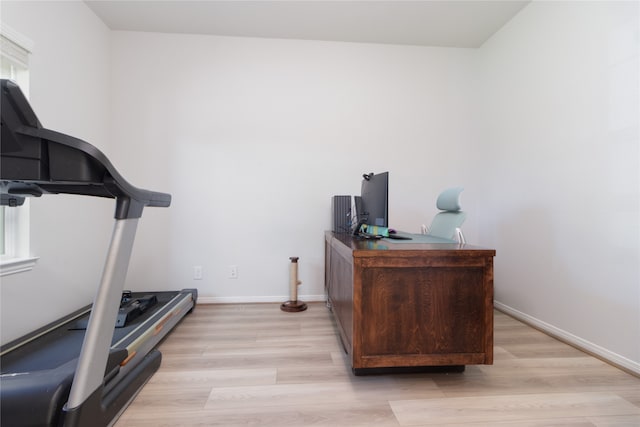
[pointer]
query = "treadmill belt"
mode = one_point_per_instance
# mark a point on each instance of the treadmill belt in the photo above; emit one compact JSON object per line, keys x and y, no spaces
{"x":61,"y":346}
{"x":63,"y":343}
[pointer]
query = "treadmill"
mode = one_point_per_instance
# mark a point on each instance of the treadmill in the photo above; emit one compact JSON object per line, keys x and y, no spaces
{"x":84,"y":369}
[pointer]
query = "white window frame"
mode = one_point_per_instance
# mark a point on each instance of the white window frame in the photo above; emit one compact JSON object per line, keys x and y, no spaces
{"x":15,"y":256}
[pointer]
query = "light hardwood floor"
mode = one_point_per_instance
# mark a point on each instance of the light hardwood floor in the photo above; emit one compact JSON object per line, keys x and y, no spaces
{"x":254,"y":365}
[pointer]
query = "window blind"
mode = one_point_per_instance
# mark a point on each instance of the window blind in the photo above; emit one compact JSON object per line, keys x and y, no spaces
{"x":14,"y":47}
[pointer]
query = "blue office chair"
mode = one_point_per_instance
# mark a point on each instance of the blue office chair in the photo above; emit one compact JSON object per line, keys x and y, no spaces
{"x":447,"y":223}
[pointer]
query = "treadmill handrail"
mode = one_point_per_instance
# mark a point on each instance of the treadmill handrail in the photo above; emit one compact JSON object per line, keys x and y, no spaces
{"x":38,"y":161}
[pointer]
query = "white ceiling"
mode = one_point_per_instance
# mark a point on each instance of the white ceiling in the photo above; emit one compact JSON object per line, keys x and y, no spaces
{"x":452,"y":23}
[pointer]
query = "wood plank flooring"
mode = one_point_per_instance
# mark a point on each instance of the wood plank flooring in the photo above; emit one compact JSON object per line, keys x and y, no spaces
{"x":254,"y":365}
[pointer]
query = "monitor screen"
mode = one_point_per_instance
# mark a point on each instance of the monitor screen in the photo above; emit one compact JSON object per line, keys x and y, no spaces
{"x":375,"y":199}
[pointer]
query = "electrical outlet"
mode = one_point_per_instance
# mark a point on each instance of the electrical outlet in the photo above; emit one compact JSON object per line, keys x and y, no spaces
{"x":197,"y":272}
{"x":233,"y":272}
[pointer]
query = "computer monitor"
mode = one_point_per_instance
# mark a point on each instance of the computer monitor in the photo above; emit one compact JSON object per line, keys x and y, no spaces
{"x":375,"y":199}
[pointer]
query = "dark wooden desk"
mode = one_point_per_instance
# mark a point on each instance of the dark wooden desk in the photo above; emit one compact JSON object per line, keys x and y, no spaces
{"x":410,"y":304}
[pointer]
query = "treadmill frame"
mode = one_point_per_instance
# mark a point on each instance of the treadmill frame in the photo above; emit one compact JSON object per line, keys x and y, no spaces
{"x":37,"y":161}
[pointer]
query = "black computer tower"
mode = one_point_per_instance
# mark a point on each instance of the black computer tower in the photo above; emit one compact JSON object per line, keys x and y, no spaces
{"x":341,"y":211}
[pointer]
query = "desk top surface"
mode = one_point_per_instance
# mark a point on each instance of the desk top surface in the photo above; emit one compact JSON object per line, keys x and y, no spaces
{"x":359,"y":244}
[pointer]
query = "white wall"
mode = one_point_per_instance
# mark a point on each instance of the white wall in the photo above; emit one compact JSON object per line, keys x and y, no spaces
{"x":252,"y":137}
{"x":69,"y":90}
{"x":561,"y":183}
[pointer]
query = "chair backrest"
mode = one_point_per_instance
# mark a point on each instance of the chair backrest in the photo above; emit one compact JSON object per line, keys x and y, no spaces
{"x":446,"y":223}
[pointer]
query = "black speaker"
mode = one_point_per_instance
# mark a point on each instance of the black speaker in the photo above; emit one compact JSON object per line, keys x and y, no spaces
{"x":341,"y":209}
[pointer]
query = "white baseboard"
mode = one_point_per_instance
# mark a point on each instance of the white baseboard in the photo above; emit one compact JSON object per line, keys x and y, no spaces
{"x":580,"y":343}
{"x":258,"y":299}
